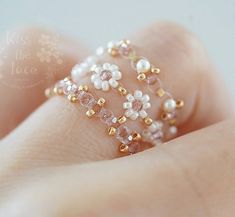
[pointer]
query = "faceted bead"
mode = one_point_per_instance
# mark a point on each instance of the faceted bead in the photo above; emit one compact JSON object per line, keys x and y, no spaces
{"x":86,"y":99}
{"x":137,"y":105}
{"x":125,"y":49}
{"x":122,"y":134}
{"x":151,"y":79}
{"x":133,"y":147}
{"x":106,"y":116}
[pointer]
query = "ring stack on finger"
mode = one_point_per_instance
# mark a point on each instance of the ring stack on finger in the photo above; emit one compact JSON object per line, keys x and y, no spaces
{"x":137,"y":104}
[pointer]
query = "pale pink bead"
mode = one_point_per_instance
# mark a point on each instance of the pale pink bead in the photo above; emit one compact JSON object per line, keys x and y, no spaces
{"x":125,"y":49}
{"x":123,"y":134}
{"x":151,"y":79}
{"x":157,"y":135}
{"x":106,"y":75}
{"x":86,"y":99}
{"x":133,"y":147}
{"x":137,"y":105}
{"x":106,"y":116}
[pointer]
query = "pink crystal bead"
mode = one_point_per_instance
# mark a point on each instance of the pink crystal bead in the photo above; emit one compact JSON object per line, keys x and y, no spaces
{"x":106,"y":116}
{"x":86,"y":99}
{"x":123,"y":134}
{"x":137,"y":105}
{"x":125,"y":49}
{"x":151,"y":79}
{"x":133,"y":147}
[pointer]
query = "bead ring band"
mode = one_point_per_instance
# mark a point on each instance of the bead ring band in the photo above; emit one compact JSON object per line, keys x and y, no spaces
{"x":107,"y":77}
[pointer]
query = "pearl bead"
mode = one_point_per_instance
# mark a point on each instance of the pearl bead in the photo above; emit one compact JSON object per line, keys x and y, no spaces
{"x":78,"y":72}
{"x":169,"y":105}
{"x":117,"y":75}
{"x":134,"y":116}
{"x":143,"y":66}
{"x":157,"y":125}
{"x":130,"y":98}
{"x":127,"y":105}
{"x":105,"y":85}
{"x":112,"y":44}
{"x":146,"y":98}
{"x":91,"y":60}
{"x":100,"y":51}
{"x":98,"y":84}
{"x":143,"y":114}
{"x":113,"y":83}
{"x":173,"y":130}
{"x":146,"y":105}
{"x":138,"y":94}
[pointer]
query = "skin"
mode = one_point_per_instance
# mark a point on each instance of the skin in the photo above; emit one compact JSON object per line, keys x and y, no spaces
{"x":48,"y":163}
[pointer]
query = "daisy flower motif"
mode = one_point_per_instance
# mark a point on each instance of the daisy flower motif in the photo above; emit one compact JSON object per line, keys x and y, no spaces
{"x":105,"y":76}
{"x":136,"y":105}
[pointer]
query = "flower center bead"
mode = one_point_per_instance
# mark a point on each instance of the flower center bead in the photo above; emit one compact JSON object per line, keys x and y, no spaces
{"x":137,"y":105}
{"x":105,"y":75}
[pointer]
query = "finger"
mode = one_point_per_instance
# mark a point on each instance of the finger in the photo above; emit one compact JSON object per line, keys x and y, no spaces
{"x":31,"y":59}
{"x":190,"y":176}
{"x":65,"y":135}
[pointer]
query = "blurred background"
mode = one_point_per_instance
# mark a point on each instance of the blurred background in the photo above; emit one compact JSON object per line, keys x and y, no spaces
{"x":97,"y":22}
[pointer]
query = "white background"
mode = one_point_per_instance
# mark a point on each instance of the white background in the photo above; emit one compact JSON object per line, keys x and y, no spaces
{"x":96,"y":22}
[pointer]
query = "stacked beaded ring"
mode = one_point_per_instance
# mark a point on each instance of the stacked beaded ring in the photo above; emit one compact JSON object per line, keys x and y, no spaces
{"x":130,"y":140}
{"x":106,"y":77}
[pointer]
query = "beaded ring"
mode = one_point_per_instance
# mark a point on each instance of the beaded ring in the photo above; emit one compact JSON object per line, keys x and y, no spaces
{"x":107,"y":77}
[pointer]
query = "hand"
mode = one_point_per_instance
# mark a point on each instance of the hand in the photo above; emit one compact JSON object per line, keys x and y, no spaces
{"x":50,"y":167}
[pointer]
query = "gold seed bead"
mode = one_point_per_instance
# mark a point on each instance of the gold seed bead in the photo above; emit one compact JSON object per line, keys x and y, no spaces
{"x":148,"y":121}
{"x":83,"y":88}
{"x":136,"y":137}
{"x":72,"y":98}
{"x":160,"y":92}
{"x":90,"y":113}
{"x":141,"y":77}
{"x":179,"y":103}
{"x":123,"y":148}
{"x":164,"y":116}
{"x":121,"y":119}
{"x":48,"y":92}
{"x":172,"y":122}
{"x":57,"y":91}
{"x":101,"y":102}
{"x":113,"y":51}
{"x":112,"y":131}
{"x":155,"y":70}
{"x":122,"y":90}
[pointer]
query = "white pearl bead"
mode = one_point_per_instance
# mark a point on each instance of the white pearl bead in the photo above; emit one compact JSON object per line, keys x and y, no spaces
{"x":145,"y":98}
{"x":77,"y":73}
{"x":173,"y":130}
{"x":106,"y":66}
{"x":113,"y":83}
{"x":134,"y":116}
{"x":117,"y":75}
{"x":156,"y":125}
{"x":129,"y":112}
{"x":91,"y":60}
{"x":143,"y":114}
{"x":98,"y":84}
{"x":146,"y":105}
{"x":169,"y":105}
{"x":138,"y":94}
{"x":112,"y":44}
{"x":130,"y":98}
{"x":127,"y":105}
{"x":143,"y":66}
{"x":105,"y":85}
{"x":94,"y":77}
{"x":100,"y":51}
